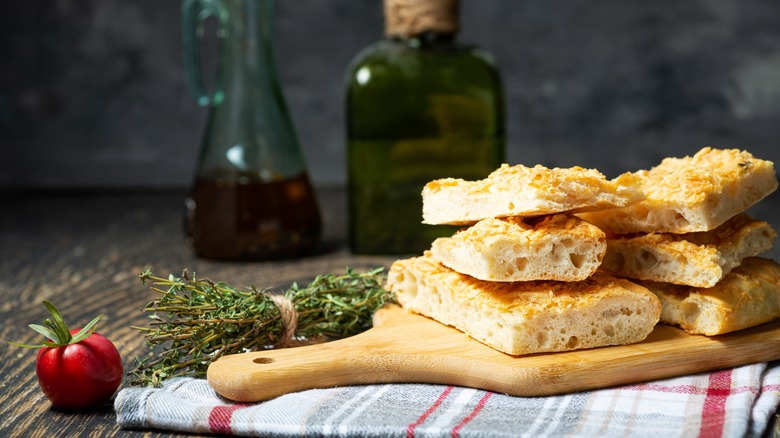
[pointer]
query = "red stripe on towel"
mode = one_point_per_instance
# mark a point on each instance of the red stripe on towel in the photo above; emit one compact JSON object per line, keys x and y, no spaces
{"x":456,"y":430}
{"x":410,"y":428}
{"x":220,"y":416}
{"x":714,"y":410}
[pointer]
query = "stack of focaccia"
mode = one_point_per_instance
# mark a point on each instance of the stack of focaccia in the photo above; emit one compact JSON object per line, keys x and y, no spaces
{"x":522,"y":277}
{"x":692,"y":244}
{"x":542,"y":266}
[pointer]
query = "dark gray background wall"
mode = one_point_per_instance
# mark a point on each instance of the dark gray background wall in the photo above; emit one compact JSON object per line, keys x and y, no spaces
{"x":92,"y":92}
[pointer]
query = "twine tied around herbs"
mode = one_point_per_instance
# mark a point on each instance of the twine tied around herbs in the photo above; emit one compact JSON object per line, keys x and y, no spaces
{"x":289,"y":319}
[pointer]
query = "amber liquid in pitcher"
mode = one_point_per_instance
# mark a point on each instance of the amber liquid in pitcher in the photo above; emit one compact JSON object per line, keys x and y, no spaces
{"x":252,"y":220}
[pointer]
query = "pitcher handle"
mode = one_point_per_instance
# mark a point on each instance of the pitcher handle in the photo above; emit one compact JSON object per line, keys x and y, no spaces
{"x":193,"y":13}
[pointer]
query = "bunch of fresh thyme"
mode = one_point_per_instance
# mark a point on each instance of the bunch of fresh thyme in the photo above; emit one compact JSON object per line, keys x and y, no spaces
{"x":195,"y":321}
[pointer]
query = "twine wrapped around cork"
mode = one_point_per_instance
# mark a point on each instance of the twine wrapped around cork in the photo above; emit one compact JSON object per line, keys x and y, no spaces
{"x":405,"y":18}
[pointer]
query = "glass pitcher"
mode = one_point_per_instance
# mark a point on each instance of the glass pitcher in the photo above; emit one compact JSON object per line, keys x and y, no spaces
{"x":251,"y":198}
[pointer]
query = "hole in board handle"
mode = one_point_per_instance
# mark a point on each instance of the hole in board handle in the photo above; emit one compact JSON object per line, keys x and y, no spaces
{"x":263,"y":360}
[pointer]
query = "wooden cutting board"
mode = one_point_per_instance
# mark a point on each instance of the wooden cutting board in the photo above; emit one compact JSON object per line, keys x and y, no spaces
{"x":404,"y":347}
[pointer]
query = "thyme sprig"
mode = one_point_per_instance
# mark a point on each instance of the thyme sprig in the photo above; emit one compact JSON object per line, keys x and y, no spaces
{"x":195,"y":321}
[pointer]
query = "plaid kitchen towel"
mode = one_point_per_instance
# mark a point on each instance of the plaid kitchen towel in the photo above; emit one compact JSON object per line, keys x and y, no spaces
{"x":728,"y":403}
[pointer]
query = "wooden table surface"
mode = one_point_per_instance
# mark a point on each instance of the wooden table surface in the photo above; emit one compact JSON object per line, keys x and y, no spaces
{"x":83,"y":252}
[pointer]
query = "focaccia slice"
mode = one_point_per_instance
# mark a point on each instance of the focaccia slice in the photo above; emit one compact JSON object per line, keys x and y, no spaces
{"x":694,"y":259}
{"x":527,"y":317}
{"x":525,"y":191}
{"x":558,"y":247}
{"x":691,"y":194}
{"x":748,"y":296}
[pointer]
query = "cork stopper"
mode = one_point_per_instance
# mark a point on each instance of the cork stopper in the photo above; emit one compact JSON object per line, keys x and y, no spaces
{"x":405,"y":18}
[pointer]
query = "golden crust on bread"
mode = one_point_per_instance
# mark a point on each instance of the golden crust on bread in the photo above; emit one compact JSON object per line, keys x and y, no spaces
{"x":692,"y":194}
{"x":699,"y":259}
{"x":748,"y":296}
{"x":556,"y":247}
{"x":527,"y":317}
{"x":525,"y":191}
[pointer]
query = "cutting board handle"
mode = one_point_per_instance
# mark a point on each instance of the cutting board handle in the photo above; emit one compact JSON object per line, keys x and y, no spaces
{"x":369,"y":357}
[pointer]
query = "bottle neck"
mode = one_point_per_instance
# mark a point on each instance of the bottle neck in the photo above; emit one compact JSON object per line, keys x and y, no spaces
{"x":248,"y":39}
{"x":426,"y":39}
{"x":246,"y":58}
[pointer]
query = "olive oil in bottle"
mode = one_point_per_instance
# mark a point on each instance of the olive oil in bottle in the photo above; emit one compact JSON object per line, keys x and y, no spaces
{"x":419,"y":106}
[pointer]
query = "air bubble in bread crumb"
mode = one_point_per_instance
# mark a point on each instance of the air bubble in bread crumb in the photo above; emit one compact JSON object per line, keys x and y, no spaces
{"x":577,"y":260}
{"x":647,"y":259}
{"x":542,"y":339}
{"x":681,"y":221}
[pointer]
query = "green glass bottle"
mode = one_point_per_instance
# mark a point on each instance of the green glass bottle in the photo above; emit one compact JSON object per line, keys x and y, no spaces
{"x":419,"y":106}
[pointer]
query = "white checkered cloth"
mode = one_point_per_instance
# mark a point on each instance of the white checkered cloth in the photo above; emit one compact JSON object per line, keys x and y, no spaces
{"x":728,"y":403}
